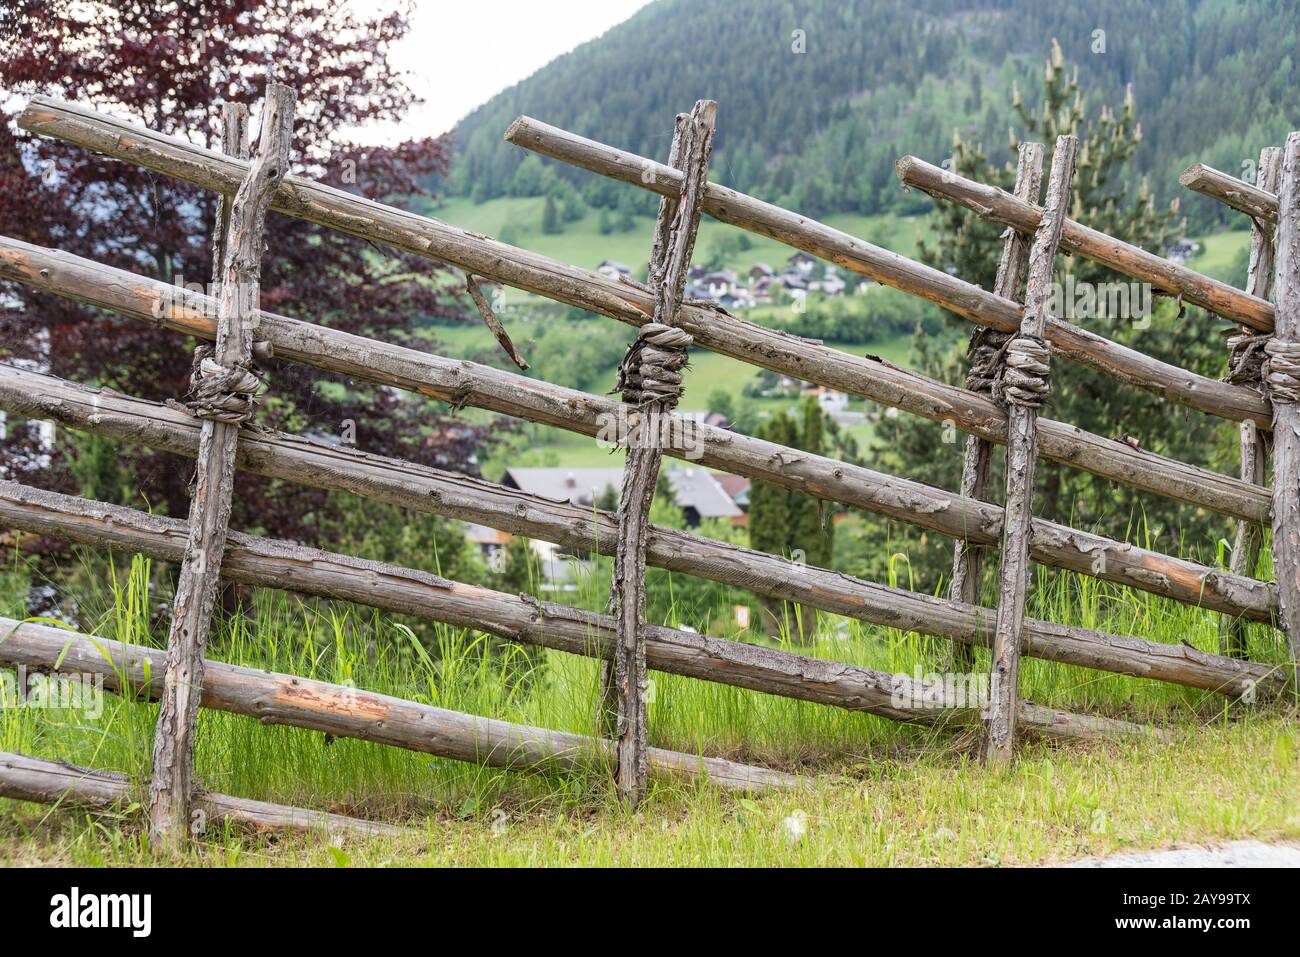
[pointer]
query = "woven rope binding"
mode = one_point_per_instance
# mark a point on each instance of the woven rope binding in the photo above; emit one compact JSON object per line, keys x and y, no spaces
{"x":652,"y":369}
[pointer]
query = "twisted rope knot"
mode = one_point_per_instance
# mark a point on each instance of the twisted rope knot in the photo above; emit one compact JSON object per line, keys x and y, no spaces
{"x":652,"y":369}
{"x":222,"y":393}
{"x":985,"y":357}
{"x":1246,"y":357}
{"x":1282,"y":370}
{"x":1026,"y":380}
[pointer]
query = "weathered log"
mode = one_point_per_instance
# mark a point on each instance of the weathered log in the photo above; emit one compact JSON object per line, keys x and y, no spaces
{"x":1259,"y":202}
{"x":999,"y":206}
{"x":1253,"y":442}
{"x":711,"y":328}
{"x":234,"y":142}
{"x":25,"y":778}
{"x":670,"y":259}
{"x":1013,"y":268}
{"x":199,"y":575}
{"x":466,"y":383}
{"x":267,"y":563}
{"x":960,"y":297}
{"x":492,"y":322}
{"x":348,"y":712}
{"x":1286,"y":411}
{"x":1022,"y":458}
{"x":425,"y":489}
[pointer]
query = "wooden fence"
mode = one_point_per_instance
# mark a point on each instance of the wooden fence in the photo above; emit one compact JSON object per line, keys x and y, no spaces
{"x":1001,"y":405}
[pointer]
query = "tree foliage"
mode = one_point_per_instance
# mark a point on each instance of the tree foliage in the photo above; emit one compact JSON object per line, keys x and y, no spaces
{"x":168,"y":66}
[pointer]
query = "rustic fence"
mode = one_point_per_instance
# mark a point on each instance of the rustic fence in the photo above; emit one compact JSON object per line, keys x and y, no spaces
{"x":1012,"y":346}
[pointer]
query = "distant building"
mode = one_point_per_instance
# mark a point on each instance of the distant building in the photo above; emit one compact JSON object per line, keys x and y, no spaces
{"x":830,"y":400}
{"x":801,"y":263}
{"x":579,"y":486}
{"x":612,"y":269}
{"x":489,"y":543}
{"x":700,"y":496}
{"x":736,"y":487}
{"x":695,"y":490}
{"x":1182,"y":250}
{"x":705,"y":417}
{"x":760,"y":271}
{"x":719,"y":283}
{"x":830,"y":285}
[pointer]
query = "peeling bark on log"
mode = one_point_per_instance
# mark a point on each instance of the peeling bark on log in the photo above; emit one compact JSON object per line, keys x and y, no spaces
{"x":1253,"y":443}
{"x":466,"y":383}
{"x":670,"y":259}
{"x":1286,"y":414}
{"x":492,"y":322}
{"x":425,"y":489}
{"x":963,"y":298}
{"x":26,"y":778}
{"x":999,"y":206}
{"x":348,"y":712}
{"x":1259,"y":202}
{"x":968,"y":557}
{"x":199,"y":575}
{"x":267,"y":563}
{"x":1022,"y":458}
{"x":234,"y":142}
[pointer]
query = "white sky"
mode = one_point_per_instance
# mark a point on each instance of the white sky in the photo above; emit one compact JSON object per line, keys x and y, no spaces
{"x":462,"y":52}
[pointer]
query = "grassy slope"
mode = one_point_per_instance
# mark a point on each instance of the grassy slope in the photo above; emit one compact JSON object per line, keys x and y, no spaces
{"x":883,"y":794}
{"x":878,"y":792}
{"x":582,"y":244}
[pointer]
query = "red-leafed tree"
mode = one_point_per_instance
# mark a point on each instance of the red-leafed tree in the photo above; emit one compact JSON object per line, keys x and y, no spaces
{"x":168,"y":65}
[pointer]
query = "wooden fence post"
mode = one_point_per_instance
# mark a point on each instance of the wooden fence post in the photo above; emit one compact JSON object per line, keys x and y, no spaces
{"x":1282,"y":381}
{"x":1245,"y":368}
{"x":650,"y":378}
{"x":1024,"y":387}
{"x":234,"y":142}
{"x":224,"y":399}
{"x":984,"y":356}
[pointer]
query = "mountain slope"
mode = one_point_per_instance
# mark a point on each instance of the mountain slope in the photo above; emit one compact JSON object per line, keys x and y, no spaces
{"x":820,"y":129}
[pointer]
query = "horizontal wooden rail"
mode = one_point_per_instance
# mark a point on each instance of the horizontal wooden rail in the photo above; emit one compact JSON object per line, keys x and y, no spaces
{"x":999,"y":206}
{"x":270,"y":564}
{"x":475,"y":500}
{"x":1258,"y":204}
{"x":425,"y":489}
{"x":711,"y":329}
{"x":467,"y":383}
{"x":961,"y":297}
{"x":25,"y":778}
{"x":346,"y":712}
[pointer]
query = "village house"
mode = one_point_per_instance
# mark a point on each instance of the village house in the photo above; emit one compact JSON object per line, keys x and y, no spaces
{"x":611,"y":269}
{"x":801,"y":263}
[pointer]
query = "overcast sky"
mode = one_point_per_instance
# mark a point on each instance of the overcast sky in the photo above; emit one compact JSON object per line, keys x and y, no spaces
{"x":462,"y":53}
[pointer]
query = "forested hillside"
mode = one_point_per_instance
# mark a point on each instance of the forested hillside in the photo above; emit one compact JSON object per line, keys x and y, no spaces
{"x":820,"y":129}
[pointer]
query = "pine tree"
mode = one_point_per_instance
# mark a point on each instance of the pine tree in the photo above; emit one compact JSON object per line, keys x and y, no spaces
{"x":551,"y":217}
{"x":524,"y":664}
{"x":969,"y":247}
{"x":789,"y":523}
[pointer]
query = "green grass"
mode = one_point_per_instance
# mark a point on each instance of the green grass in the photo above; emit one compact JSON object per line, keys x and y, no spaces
{"x":1220,"y":253}
{"x":582,"y":244}
{"x":541,"y":445}
{"x":877,"y":792}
